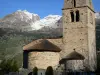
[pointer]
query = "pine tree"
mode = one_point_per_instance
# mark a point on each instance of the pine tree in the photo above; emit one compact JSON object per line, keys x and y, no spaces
{"x":49,"y":71}
{"x":35,"y":71}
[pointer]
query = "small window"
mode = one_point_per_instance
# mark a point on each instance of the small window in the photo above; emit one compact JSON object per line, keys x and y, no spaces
{"x":74,"y":3}
{"x":72,"y":16}
{"x":77,"y":16}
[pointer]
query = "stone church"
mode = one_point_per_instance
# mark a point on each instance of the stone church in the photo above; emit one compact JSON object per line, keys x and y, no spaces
{"x":76,"y":50}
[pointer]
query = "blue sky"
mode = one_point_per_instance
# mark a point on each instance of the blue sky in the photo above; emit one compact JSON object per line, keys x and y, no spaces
{"x":40,"y":7}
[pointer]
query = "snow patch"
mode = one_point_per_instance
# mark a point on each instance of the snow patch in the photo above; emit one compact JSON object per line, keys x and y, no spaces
{"x":50,"y":21}
{"x":28,"y":14}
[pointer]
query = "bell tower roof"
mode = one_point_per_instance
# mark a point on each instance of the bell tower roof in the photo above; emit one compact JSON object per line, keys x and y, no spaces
{"x":77,"y":4}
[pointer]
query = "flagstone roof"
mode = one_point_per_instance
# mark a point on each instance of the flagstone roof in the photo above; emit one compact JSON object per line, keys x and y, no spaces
{"x":73,"y":56}
{"x":44,"y":45}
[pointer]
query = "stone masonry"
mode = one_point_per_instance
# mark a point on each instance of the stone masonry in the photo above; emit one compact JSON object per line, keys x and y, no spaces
{"x":43,"y":59}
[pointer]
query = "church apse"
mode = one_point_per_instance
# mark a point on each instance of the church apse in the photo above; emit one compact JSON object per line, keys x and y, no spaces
{"x":41,"y":54}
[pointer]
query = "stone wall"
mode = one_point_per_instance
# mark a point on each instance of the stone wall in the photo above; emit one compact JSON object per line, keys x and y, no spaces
{"x":58,"y":42}
{"x":78,"y":64}
{"x":78,"y":3}
{"x":92,"y":40}
{"x":75,"y":33}
{"x":42,"y":60}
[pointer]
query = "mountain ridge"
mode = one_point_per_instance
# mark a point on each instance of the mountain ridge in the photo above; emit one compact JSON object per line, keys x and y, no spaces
{"x":23,"y":20}
{"x":27,"y":21}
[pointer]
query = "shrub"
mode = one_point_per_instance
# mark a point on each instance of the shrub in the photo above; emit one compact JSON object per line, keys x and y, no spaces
{"x":7,"y":66}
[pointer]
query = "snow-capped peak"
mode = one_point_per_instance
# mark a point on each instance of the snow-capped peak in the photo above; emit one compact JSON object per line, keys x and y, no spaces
{"x":19,"y":20}
{"x":97,"y":15}
{"x":30,"y":15}
{"x":50,"y":21}
{"x":52,"y":16}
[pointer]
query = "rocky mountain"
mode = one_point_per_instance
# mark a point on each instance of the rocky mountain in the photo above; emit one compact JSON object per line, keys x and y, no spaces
{"x":51,"y":25}
{"x":19,"y":20}
{"x":25,"y":21}
{"x":52,"y":21}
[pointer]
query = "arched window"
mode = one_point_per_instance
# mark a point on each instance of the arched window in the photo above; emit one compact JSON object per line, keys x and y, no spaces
{"x":74,"y":3}
{"x":72,"y":16}
{"x":77,"y":16}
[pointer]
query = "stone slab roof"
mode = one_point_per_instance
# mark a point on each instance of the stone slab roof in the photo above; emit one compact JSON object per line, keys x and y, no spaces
{"x":44,"y":45}
{"x":73,"y":56}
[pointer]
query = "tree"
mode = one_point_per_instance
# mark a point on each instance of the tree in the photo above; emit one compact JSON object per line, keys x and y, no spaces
{"x":35,"y":71}
{"x":49,"y":71}
{"x":7,"y":66}
{"x":14,"y":66}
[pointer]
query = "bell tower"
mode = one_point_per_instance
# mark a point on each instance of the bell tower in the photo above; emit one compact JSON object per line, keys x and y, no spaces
{"x":79,"y":31}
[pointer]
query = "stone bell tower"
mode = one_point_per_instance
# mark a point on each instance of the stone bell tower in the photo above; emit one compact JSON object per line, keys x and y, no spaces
{"x":79,"y":31}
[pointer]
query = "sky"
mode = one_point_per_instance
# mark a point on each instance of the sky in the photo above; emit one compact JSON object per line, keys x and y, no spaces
{"x":41,"y":7}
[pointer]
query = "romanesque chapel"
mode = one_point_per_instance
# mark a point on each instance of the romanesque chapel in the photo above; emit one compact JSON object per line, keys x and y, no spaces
{"x":76,"y":50}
